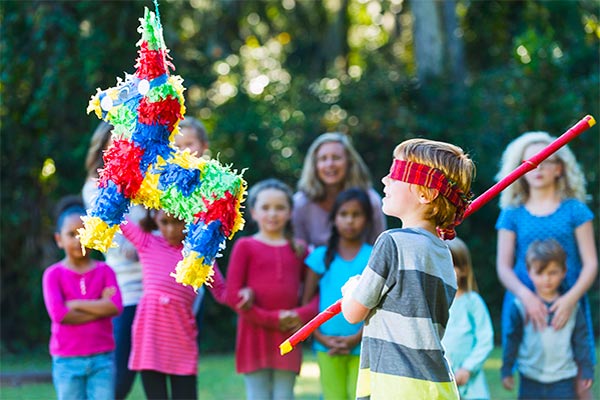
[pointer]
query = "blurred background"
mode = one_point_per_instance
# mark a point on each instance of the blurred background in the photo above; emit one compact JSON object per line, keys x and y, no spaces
{"x":267,"y":77}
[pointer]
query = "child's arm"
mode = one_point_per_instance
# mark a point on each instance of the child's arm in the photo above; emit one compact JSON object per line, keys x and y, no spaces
{"x":100,"y":308}
{"x":484,"y":337}
{"x":110,"y":302}
{"x":514,"y":337}
{"x":535,"y":309}
{"x":582,"y":351}
{"x":353,"y":311}
{"x":57,"y":308}
{"x":237,"y":280}
{"x":343,"y":344}
{"x":134,"y":233}
{"x":364,"y":293}
{"x":564,"y":306}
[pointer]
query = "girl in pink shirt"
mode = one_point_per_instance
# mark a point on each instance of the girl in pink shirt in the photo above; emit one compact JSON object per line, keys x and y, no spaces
{"x":164,"y":345}
{"x":81,"y":296}
{"x":271,"y":264}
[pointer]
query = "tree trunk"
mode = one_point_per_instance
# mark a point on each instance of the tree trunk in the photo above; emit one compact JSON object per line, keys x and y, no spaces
{"x":454,"y":43}
{"x":427,"y":39}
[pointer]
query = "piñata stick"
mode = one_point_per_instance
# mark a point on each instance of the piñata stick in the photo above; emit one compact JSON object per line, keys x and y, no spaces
{"x":585,"y":123}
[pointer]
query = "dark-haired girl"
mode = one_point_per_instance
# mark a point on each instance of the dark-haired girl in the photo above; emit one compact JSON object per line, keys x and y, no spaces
{"x":337,"y":342}
{"x":81,"y":296}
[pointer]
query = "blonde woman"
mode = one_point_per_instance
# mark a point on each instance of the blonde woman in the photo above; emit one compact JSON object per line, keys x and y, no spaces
{"x":331,"y":166}
{"x":469,"y":336}
{"x":546,"y":203}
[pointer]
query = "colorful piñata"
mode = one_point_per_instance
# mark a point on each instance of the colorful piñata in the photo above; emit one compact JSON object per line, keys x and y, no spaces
{"x":142,"y":166}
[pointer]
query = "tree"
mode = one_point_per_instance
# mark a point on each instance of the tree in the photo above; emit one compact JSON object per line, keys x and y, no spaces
{"x":428,"y":39}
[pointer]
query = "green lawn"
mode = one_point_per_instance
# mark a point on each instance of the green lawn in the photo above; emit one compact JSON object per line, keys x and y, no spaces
{"x":217,"y":379}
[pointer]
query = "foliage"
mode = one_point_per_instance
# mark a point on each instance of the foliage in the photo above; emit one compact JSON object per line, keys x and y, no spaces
{"x":267,"y":77}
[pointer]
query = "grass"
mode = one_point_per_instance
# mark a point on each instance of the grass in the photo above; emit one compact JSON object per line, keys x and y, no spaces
{"x":217,"y":379}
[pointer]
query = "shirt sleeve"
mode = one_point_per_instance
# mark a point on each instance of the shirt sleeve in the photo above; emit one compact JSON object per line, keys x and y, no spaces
{"x":378,"y":277}
{"x":316,"y":260}
{"x":111,"y":281}
{"x":581,"y":346}
{"x":580,"y":213}
{"x":514,"y":337}
{"x":505,"y":221}
{"x":484,"y":334}
{"x":53,"y":295}
{"x":132,"y":232}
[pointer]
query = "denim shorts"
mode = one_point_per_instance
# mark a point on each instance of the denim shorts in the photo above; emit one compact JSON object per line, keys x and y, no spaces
{"x":86,"y":377}
{"x":532,"y":389}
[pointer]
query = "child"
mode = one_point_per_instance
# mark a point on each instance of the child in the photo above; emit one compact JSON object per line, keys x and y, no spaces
{"x":346,"y":254}
{"x":192,"y":136}
{"x":547,"y":202}
{"x":548,"y":359}
{"x":81,"y":296}
{"x":469,"y":336}
{"x":164,"y":331}
{"x":270,"y":263}
{"x":409,"y":283}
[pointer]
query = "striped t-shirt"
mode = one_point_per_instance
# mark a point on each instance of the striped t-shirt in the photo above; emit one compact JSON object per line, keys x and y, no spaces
{"x":409,"y":285}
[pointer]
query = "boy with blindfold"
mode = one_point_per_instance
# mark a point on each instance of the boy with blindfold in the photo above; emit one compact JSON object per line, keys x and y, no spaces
{"x":406,"y":289}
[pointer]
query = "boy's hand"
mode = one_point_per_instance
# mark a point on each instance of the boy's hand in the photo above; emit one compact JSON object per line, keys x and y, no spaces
{"x":508,"y":383}
{"x":582,"y":386}
{"x":246,"y":296}
{"x":462,"y":376}
{"x":350,"y":285}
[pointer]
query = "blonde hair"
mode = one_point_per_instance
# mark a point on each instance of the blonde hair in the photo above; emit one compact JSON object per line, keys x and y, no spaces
{"x":461,"y":257}
{"x":357,"y":173}
{"x":541,"y":253}
{"x":451,"y":161}
{"x":571,"y":183}
{"x":100,"y":137}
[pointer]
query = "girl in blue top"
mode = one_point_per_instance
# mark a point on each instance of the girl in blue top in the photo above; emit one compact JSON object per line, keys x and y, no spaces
{"x":469,"y":336}
{"x":548,"y":202}
{"x":337,"y":342}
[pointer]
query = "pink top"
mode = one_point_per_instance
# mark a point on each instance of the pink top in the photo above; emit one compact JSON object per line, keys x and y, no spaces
{"x":164,"y":329}
{"x":275,"y":274}
{"x":61,"y":284}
